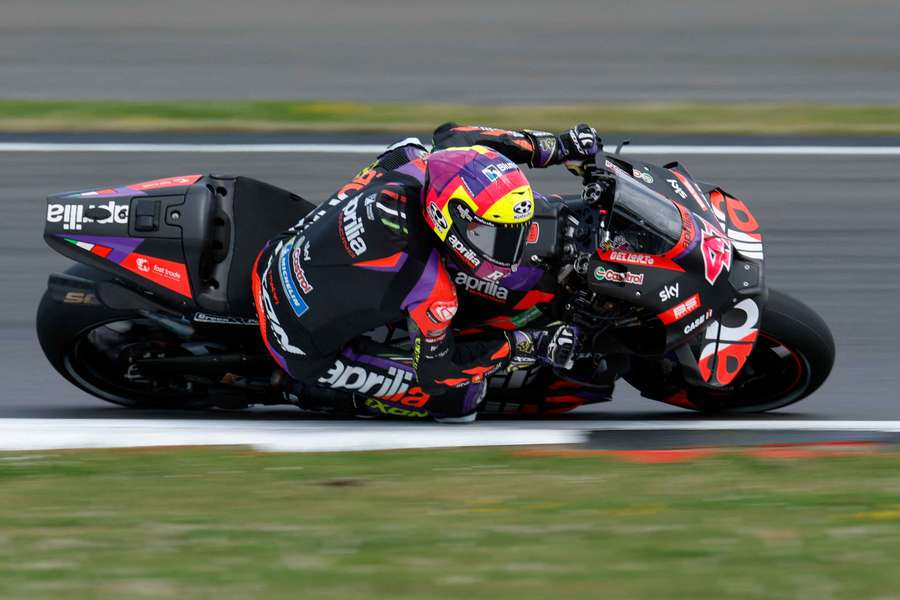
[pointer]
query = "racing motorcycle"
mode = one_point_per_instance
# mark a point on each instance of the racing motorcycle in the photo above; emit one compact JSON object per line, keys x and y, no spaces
{"x":663,"y":273}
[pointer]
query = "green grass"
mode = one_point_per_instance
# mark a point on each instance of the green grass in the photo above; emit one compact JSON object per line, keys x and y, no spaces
{"x":632,"y":118}
{"x":218,"y":523}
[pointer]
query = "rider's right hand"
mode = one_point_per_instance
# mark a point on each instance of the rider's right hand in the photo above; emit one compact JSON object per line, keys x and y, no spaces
{"x":577,"y":144}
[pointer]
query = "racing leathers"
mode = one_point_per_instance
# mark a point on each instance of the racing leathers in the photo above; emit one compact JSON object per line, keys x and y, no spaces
{"x":364,"y":260}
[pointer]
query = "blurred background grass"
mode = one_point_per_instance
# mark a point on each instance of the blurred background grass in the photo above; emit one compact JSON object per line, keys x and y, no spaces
{"x":299,"y":116}
{"x":475,"y":523}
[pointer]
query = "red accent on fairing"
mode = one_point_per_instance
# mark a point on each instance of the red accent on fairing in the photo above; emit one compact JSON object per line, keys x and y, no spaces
{"x":101,"y":251}
{"x":444,"y":294}
{"x":688,"y":232}
{"x":739,"y":351}
{"x":165,"y":183}
{"x":534,"y":232}
{"x":386,"y":262}
{"x":452,"y":381}
{"x":695,"y":194}
{"x":679,"y":398}
{"x":168,"y":274}
{"x":532,"y":298}
{"x":680,"y":310}
{"x":501,"y":352}
{"x":478,"y":373}
{"x":562,"y":383}
{"x":501,"y":323}
{"x":638,"y":259}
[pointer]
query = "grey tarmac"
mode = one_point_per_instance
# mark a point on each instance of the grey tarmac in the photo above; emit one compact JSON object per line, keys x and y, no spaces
{"x":831,"y":226}
{"x":470,"y":51}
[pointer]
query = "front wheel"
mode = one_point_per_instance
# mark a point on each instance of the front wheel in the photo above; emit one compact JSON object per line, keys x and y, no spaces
{"x":793,"y":357}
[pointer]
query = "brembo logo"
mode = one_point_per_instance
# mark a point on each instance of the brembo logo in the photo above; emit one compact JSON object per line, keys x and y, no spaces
{"x":73,"y":219}
{"x":481,"y":287}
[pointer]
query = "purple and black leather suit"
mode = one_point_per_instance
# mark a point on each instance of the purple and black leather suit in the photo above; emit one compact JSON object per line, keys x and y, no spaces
{"x":365,"y":259}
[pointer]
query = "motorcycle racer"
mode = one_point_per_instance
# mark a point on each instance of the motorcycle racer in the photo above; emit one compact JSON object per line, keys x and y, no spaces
{"x":376,"y":253}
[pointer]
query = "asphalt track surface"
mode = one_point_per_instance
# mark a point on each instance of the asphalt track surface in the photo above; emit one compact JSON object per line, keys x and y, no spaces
{"x":831,"y":226}
{"x":477,"y":51}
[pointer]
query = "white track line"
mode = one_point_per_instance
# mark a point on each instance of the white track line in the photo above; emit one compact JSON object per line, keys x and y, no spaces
{"x":325,"y":436}
{"x":377,"y":148}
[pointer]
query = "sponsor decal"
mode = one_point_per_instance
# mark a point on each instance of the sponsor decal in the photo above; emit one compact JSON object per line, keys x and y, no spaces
{"x":693,"y":325}
{"x":604,"y":274}
{"x":645,"y":177}
{"x":271,"y":317}
{"x":680,"y":310}
{"x":165,"y":183}
{"x":495,"y":171}
{"x":169,"y":274}
{"x":201,"y":317}
{"x":441,"y":311}
{"x":728,"y":348}
{"x":350,"y":227}
{"x":463,"y":251}
{"x":73,"y":218}
{"x":669,"y":292}
{"x":534,"y":233}
{"x":696,"y":193}
{"x":716,"y":251}
{"x":387,"y":408}
{"x":522,"y":209}
{"x":437,"y":217}
{"x":636,"y":258}
{"x":676,"y":187}
{"x":299,"y":273}
{"x":80,"y":298}
{"x":616,"y":169}
{"x":740,"y":225}
{"x":298,"y":304}
{"x":358,"y":379}
{"x":486,"y":289}
{"x":369,"y":203}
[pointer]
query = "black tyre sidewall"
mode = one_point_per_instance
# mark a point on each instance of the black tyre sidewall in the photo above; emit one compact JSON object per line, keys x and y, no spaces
{"x":59,"y":326}
{"x":800,"y":329}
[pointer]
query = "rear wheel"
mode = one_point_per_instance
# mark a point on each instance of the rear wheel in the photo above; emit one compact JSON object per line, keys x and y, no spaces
{"x":793,"y":357}
{"x":95,"y":348}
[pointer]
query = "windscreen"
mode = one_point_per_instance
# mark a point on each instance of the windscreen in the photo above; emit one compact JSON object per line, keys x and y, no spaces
{"x":642,"y":220}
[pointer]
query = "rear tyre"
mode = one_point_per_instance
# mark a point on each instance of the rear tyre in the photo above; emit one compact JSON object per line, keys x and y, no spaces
{"x":91,"y":346}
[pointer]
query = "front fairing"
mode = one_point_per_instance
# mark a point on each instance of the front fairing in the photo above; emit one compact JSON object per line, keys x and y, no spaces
{"x":709,"y":290}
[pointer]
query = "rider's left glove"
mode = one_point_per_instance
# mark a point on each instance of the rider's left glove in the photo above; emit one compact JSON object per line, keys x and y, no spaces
{"x":556,"y":345}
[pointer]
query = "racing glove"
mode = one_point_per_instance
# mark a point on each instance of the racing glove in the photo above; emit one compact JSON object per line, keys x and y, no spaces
{"x":556,"y":345}
{"x":578,"y":143}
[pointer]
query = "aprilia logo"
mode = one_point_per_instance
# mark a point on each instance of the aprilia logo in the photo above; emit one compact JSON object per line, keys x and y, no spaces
{"x":481,"y":287}
{"x":463,"y":251}
{"x":351,"y":228}
{"x":357,"y":379}
{"x":72,"y":215}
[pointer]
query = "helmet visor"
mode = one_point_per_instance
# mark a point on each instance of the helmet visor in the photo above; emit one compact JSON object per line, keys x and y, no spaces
{"x":501,"y":244}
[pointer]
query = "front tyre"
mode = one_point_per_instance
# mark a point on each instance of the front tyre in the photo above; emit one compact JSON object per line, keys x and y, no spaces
{"x":793,"y":357}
